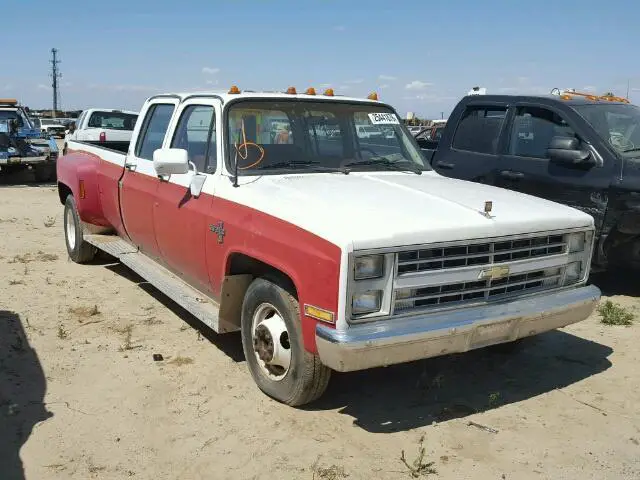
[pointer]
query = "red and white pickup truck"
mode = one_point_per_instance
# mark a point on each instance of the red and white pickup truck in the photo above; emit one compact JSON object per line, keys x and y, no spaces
{"x":267,"y":213}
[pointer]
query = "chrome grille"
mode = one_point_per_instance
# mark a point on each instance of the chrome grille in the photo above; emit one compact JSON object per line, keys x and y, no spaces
{"x":440,"y":258}
{"x":480,"y":290}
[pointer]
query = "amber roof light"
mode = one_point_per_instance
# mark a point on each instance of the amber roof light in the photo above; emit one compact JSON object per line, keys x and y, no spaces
{"x":291,"y":90}
{"x":234,"y":90}
{"x":373,"y":96}
{"x":329,"y":92}
{"x":310,"y":91}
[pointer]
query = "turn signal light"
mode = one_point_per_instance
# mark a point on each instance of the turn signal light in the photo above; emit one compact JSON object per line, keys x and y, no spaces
{"x":310,"y":91}
{"x":291,"y":90}
{"x":373,"y":96}
{"x":329,"y":92}
{"x":234,"y":90}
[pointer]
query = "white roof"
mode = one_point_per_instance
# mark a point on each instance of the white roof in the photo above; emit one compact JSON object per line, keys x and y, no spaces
{"x":226,"y":96}
{"x":111,"y":110}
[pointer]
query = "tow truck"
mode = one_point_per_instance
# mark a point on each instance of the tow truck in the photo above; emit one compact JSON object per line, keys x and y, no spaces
{"x":21,"y":145}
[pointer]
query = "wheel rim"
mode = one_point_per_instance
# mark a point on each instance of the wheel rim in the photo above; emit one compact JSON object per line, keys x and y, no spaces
{"x":271,"y":343}
{"x":71,"y":229}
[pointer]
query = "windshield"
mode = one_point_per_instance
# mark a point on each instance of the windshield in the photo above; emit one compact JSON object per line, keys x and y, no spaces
{"x":23,"y":121}
{"x":269,"y":136}
{"x":619,"y":125}
{"x":112,"y":120}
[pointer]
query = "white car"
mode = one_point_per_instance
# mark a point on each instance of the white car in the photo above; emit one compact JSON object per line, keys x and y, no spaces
{"x":49,"y":127}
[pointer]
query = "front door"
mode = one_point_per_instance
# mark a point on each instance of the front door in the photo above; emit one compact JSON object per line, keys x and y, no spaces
{"x":140,"y":182}
{"x":526,"y":167}
{"x":181,"y":221}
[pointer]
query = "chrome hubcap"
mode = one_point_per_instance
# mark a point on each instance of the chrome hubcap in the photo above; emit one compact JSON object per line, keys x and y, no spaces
{"x":71,"y":230}
{"x":271,"y":344}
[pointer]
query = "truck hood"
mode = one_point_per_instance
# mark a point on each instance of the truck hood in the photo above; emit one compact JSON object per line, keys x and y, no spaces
{"x":386,"y":209}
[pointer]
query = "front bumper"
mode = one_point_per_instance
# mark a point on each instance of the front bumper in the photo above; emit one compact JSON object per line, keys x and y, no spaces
{"x":402,"y":340}
{"x":26,"y":160}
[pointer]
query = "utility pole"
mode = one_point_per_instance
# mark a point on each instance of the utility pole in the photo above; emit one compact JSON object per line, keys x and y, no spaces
{"x":441,"y":115}
{"x":55,"y":75}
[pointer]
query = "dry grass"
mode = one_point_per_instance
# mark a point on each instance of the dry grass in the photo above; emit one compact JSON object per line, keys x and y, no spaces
{"x":181,"y":361}
{"x":333,"y":472}
{"x":62,"y":332}
{"x":38,"y":257}
{"x":615,"y":314}
{"x":16,"y":282}
{"x":419,"y":467}
{"x":84,"y":312}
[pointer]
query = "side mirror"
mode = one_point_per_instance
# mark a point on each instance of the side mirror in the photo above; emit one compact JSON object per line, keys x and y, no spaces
{"x":72,"y":127}
{"x":566,"y":150}
{"x":170,"y":161}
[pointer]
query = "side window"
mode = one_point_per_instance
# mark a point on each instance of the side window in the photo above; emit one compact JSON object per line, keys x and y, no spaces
{"x":479,"y":129}
{"x":532,"y":131}
{"x":196,"y":133}
{"x":153,"y":130}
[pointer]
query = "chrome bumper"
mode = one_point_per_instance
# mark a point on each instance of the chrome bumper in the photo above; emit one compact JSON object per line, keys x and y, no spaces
{"x":26,"y":160}
{"x":406,"y":339}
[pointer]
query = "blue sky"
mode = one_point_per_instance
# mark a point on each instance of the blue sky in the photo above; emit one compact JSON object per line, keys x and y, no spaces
{"x":420,"y":56}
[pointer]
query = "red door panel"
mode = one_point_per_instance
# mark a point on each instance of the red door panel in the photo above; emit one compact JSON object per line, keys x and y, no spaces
{"x":181,"y":226}
{"x":137,"y":195}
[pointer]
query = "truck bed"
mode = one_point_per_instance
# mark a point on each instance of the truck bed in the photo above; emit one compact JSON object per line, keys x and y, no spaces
{"x":115,"y":146}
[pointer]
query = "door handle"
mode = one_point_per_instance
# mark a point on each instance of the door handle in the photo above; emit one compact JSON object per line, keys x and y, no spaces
{"x":445,"y":165}
{"x":130,"y":166}
{"x":511,"y":174}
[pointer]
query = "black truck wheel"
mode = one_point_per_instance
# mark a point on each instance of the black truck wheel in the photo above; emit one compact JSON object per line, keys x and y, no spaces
{"x":273,"y":346}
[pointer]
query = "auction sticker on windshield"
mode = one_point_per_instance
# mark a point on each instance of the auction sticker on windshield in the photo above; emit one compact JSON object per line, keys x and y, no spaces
{"x":384,"y":119}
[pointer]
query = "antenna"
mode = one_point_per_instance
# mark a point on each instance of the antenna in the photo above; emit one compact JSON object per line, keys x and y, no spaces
{"x":55,"y":75}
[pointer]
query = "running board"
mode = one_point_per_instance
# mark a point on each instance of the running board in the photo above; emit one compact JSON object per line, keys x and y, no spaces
{"x":196,"y":303}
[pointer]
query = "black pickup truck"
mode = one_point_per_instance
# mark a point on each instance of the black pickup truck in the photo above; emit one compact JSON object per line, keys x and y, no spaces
{"x":579,"y":150}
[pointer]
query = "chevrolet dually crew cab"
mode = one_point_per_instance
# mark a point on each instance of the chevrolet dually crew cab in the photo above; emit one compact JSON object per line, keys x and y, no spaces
{"x":579,"y":149}
{"x":111,"y":128}
{"x":326,"y":251}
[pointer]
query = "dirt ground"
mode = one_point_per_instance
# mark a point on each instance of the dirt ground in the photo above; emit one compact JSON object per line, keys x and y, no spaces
{"x":81,"y":396}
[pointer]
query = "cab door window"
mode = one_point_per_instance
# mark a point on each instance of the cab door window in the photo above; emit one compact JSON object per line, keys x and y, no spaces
{"x":196,"y":133}
{"x":532,"y":131}
{"x":154,"y":130}
{"x":479,"y":129}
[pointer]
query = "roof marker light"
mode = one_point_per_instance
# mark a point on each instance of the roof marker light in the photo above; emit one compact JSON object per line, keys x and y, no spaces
{"x":329,"y":92}
{"x":373,"y":96}
{"x":234,"y":90}
{"x":291,"y":90}
{"x":310,"y":91}
{"x":8,"y":101}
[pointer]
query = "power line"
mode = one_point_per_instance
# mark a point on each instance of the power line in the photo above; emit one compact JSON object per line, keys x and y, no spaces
{"x":55,"y":75}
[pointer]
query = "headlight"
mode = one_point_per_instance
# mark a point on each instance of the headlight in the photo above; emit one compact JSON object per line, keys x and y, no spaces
{"x":573,"y":272}
{"x":366,"y":302}
{"x":371,"y":266}
{"x":576,"y":242}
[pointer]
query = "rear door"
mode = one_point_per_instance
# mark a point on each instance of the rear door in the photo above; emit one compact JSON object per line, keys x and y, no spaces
{"x":473,"y":151}
{"x":182,"y":222}
{"x":140,"y":181}
{"x":526,"y":167}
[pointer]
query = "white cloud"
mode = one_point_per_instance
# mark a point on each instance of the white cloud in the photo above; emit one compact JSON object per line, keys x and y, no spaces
{"x":589,"y":88}
{"x":325,"y":85}
{"x":343,"y":87}
{"x":417,"y":85}
{"x":383,"y":86}
{"x":212,"y":82}
{"x":42,"y":86}
{"x":388,"y":78}
{"x":7,"y":87}
{"x":354,"y":82}
{"x":210,"y":70}
{"x":339,"y":28}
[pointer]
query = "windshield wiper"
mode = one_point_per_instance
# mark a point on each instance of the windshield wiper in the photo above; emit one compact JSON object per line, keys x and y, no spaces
{"x":312,"y":166}
{"x":636,"y":149}
{"x":402,"y":165}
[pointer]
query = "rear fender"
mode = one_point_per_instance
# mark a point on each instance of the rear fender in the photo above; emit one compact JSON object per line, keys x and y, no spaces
{"x":78,"y":171}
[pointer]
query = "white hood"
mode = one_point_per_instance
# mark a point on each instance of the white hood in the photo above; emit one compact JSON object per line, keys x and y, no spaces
{"x":389,"y":209}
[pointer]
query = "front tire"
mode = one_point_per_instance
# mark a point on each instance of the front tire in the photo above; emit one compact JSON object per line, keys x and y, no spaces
{"x":79,"y":251}
{"x":274,"y":349}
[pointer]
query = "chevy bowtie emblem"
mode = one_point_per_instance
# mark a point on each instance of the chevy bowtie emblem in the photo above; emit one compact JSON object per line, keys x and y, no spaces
{"x":494,"y":273}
